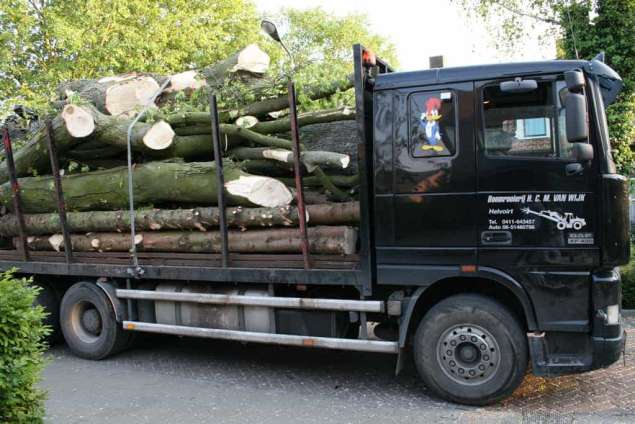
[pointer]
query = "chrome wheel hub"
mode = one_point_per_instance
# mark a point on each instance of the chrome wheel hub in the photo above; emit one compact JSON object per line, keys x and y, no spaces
{"x":468,"y":354}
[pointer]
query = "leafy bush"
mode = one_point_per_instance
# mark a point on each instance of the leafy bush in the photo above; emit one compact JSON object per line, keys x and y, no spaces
{"x":628,"y":282}
{"x":21,"y":347}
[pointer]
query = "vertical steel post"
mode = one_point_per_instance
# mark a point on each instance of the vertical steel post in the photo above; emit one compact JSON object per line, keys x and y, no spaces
{"x":220,"y":180}
{"x":61,"y":205}
{"x":297,"y":170}
{"x":15,"y":193}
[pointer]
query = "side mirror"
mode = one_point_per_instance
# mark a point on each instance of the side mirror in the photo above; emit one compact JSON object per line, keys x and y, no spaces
{"x":519,"y":85}
{"x":583,"y":152}
{"x":574,"y":80}
{"x":576,"y":118}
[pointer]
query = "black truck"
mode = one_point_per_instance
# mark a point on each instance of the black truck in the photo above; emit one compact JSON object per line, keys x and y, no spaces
{"x":492,"y":225}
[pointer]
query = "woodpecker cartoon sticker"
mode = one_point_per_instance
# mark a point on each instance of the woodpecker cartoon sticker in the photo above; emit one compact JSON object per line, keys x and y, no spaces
{"x":429,"y":123}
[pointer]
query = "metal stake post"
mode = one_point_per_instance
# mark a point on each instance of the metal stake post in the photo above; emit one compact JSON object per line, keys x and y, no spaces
{"x":15,"y":193}
{"x":220,"y":180}
{"x":297,"y":169}
{"x":61,"y":205}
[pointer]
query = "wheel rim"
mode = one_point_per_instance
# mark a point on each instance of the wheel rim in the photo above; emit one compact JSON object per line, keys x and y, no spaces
{"x":86,"y":321}
{"x":468,"y":354}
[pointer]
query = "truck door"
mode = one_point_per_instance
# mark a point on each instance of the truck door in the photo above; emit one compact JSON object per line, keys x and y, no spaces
{"x":425,"y":185}
{"x":537,"y":219}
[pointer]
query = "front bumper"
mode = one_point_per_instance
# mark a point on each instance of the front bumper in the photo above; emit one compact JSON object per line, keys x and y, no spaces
{"x":559,"y":353}
{"x":591,"y":353}
{"x":607,"y":351}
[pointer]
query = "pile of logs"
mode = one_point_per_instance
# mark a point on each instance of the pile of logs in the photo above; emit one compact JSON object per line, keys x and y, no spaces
{"x":175,"y":188}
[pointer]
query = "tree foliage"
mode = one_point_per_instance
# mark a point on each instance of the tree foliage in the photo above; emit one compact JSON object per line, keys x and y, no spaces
{"x":321,"y":47}
{"x":583,"y":29}
{"x":44,"y":42}
{"x":21,"y":349}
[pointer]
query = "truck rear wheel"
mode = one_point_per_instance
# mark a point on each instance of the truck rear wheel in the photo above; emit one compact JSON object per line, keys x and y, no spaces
{"x":89,"y":324}
{"x":470,"y":349}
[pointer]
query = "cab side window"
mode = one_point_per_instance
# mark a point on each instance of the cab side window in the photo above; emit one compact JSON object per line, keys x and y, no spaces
{"x":432,"y":124}
{"x":526,"y":124}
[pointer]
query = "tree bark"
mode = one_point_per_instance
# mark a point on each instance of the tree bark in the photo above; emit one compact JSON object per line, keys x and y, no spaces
{"x":310,"y":159}
{"x":344,"y":181}
{"x":283,"y":125}
{"x":197,"y":219}
{"x":114,"y":95}
{"x":259,"y":109}
{"x":277,"y":126}
{"x":155,"y":183}
{"x":123,"y":94}
{"x":322,"y":240}
{"x":33,"y":158}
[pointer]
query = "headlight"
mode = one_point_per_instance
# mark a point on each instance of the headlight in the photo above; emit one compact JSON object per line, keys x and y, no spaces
{"x":613,"y":314}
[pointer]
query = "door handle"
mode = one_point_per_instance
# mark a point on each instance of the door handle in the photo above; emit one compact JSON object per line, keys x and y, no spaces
{"x":573,"y":169}
{"x":496,"y":237}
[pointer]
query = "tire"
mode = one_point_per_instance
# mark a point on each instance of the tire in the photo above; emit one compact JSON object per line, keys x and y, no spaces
{"x":88,"y":323}
{"x":487,"y":357}
{"x":50,"y":301}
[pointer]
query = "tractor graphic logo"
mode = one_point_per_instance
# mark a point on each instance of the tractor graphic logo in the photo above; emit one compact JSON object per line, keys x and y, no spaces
{"x":563,"y":222}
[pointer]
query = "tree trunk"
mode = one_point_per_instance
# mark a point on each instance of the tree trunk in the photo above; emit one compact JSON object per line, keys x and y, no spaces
{"x":322,"y":240}
{"x":283,"y":125}
{"x":155,"y":183}
{"x":277,"y":126}
{"x":33,"y":158}
{"x":310,"y":159}
{"x":197,"y":219}
{"x":114,"y":95}
{"x":124,"y":94}
{"x":258,"y":109}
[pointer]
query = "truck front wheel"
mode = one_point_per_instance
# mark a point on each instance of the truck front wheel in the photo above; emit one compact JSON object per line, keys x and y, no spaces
{"x":470,"y":349}
{"x":89,"y":324}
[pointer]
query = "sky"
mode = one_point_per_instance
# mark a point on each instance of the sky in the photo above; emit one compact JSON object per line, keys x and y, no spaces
{"x":423,"y":28}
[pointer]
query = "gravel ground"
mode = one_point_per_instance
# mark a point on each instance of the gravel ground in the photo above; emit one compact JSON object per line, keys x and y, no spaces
{"x":174,"y":380}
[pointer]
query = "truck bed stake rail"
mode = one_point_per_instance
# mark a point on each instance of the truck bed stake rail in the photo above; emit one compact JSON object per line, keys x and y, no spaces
{"x":276,"y":302}
{"x":280,"y":339}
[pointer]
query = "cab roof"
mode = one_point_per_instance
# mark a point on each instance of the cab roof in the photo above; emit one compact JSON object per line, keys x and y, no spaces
{"x":474,"y":73}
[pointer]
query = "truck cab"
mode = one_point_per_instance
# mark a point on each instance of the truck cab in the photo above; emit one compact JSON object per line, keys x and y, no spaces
{"x":497,"y":182}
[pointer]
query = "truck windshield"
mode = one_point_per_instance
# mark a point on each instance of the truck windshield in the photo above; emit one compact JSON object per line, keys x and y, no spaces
{"x":526,"y":124}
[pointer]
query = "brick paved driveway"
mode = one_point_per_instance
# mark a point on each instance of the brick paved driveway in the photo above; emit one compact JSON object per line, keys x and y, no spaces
{"x":188,"y":380}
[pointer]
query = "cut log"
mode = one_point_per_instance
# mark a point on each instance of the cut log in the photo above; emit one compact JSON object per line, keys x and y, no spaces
{"x":344,"y":181}
{"x":113,"y":130}
{"x":188,"y":80}
{"x":323,"y":240}
{"x":33,"y":158}
{"x":264,"y":107}
{"x":127,"y":96}
{"x":114,"y":95}
{"x":282,"y":125}
{"x":159,"y":136}
{"x":197,"y":219}
{"x":254,"y":137}
{"x":310,"y":159}
{"x":259,"y":109}
{"x":339,"y":136}
{"x":155,"y":183}
{"x":249,"y":60}
{"x":79,"y":121}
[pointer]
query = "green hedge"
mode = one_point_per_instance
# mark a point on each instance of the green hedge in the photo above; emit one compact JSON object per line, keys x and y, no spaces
{"x":628,"y":282}
{"x":21,"y":351}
